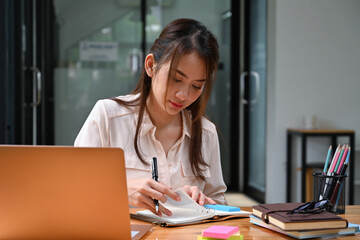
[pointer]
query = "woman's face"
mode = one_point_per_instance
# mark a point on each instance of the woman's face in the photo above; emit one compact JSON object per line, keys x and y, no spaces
{"x":186,"y":86}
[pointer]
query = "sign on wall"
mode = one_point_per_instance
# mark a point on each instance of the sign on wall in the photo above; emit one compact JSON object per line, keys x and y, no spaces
{"x":99,"y":51}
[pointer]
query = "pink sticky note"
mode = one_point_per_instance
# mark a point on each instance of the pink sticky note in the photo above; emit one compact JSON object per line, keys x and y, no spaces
{"x":223,"y":232}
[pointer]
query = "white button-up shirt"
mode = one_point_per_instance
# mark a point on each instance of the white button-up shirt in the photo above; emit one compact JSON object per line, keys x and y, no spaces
{"x":113,"y":125}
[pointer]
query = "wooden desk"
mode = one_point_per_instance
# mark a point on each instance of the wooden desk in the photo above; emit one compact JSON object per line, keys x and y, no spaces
{"x":304,"y":134}
{"x":249,"y":230}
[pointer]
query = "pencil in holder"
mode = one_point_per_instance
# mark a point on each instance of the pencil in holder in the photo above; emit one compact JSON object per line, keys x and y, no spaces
{"x":332,"y":188}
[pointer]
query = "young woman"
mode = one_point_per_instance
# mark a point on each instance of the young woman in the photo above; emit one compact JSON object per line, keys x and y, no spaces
{"x":164,"y":118}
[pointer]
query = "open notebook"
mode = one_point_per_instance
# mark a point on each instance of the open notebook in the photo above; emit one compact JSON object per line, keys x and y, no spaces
{"x":186,"y":212}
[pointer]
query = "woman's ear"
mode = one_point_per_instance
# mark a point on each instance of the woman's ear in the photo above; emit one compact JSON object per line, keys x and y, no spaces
{"x":149,"y":64}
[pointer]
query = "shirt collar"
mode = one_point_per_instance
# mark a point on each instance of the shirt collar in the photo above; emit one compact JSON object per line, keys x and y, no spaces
{"x":147,"y":124}
{"x":186,"y":123}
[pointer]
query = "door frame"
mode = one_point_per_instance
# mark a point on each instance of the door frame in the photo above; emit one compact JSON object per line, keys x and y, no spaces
{"x":245,"y":67}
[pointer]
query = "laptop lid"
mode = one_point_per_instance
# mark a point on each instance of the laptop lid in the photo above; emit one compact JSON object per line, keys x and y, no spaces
{"x":52,"y":192}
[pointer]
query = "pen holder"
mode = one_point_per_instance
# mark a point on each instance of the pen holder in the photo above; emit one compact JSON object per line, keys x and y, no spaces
{"x":331,"y":188}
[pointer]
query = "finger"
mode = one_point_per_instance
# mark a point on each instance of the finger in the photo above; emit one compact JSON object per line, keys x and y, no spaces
{"x":202,"y":198}
{"x":153,"y":210}
{"x":150,"y":202}
{"x":152,"y":189}
{"x":209,"y":201}
{"x":162,"y":190}
{"x":161,"y":210}
{"x":145,"y":202}
{"x":195,"y":192}
{"x":164,"y":210}
{"x":148,"y":205}
{"x":187,"y":189}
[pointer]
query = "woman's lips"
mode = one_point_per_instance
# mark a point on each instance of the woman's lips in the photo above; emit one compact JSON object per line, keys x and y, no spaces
{"x":176,"y":105}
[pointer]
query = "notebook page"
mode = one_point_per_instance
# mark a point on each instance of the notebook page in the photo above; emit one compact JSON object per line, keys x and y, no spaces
{"x":184,"y":211}
{"x":186,"y":202}
{"x":236,"y":213}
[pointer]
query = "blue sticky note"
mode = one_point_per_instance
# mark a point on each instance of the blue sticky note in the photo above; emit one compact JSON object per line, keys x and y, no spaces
{"x":224,"y":208}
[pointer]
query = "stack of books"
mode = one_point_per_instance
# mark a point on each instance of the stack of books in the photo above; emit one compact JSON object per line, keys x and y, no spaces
{"x":220,"y":233}
{"x":300,"y":225}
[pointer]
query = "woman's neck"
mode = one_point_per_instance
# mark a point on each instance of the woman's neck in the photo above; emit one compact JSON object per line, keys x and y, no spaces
{"x":168,"y":127}
{"x":159,"y":116}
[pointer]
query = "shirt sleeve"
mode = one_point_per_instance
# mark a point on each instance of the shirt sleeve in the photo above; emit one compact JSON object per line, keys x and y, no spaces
{"x":214,"y":186}
{"x":94,"y":132}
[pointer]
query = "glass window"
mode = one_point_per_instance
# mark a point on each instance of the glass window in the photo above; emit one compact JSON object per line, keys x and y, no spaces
{"x":99,"y":57}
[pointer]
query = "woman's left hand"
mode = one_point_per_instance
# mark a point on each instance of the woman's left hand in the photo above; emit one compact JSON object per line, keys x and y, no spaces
{"x":195,"y":193}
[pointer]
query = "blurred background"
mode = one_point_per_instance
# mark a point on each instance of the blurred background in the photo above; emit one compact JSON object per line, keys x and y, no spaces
{"x":281,"y":62}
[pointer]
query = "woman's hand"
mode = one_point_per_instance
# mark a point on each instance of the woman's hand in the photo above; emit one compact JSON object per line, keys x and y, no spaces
{"x":143,"y":191}
{"x":195,"y":193}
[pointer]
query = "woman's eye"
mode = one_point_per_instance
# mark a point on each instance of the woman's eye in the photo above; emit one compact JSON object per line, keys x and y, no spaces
{"x":177,"y":80}
{"x":197,"y":87}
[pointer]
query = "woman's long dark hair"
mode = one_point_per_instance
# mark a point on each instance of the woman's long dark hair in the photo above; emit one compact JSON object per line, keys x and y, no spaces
{"x":180,"y":37}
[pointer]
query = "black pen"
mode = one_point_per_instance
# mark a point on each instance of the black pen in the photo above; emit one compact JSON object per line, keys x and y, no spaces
{"x":154,"y":169}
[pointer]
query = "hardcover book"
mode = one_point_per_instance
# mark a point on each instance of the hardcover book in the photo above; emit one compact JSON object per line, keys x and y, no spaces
{"x":278,"y":215}
{"x":322,"y":233}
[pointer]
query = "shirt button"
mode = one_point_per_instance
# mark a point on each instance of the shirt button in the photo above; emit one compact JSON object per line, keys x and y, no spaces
{"x":169,"y":164}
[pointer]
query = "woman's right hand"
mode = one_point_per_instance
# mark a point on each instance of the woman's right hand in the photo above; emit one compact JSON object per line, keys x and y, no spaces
{"x":143,"y":191}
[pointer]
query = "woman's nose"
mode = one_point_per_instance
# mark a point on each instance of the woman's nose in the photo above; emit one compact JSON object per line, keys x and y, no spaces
{"x":182,"y":94}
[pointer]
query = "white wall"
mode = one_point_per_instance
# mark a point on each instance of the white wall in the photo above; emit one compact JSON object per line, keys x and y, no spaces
{"x":313,"y":68}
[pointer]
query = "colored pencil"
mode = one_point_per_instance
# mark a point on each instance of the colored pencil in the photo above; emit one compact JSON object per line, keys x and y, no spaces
{"x":327,"y":159}
{"x":342,"y":160}
{"x":333,"y":162}
{"x":348,"y":155}
{"x":339,"y":159}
